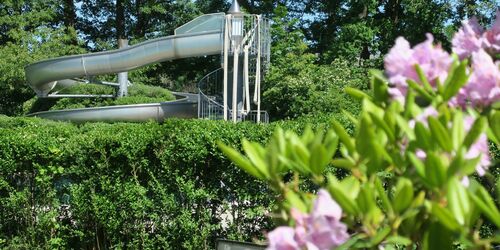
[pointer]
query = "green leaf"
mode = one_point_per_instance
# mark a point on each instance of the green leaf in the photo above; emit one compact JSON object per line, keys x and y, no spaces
{"x":254,"y":151}
{"x":457,"y":130}
{"x":403,"y":124}
{"x":351,"y":186}
{"x":495,"y":125}
{"x":456,"y":164}
{"x":423,"y":79}
{"x":445,"y":217}
{"x":435,"y":170}
{"x":366,"y":199}
{"x":440,"y":133}
{"x":349,"y":244}
{"x":498,"y":189}
{"x":403,"y":195}
{"x":357,"y":94}
{"x":365,"y":137}
{"x":410,"y":105}
{"x":418,"y":164}
{"x":458,"y":201}
{"x":384,"y":126}
{"x":344,"y":137}
{"x":398,"y":240}
{"x":379,"y":86}
{"x":347,"y":204}
{"x":331,"y":143}
{"x":295,"y":201}
{"x":437,"y":237}
{"x":477,"y":129}
{"x":419,"y":89}
{"x":343,"y":163}
{"x":319,"y":159}
{"x":386,"y":204}
{"x":379,"y":236}
{"x":494,"y":214}
{"x":456,"y":79}
{"x":350,"y":116}
{"x":423,"y":136}
{"x":241,"y":161}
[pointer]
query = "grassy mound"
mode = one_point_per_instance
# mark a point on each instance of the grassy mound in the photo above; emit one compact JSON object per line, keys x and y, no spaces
{"x":137,"y":93}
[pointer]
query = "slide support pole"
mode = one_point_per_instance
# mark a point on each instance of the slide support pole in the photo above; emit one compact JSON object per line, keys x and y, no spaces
{"x":122,"y":76}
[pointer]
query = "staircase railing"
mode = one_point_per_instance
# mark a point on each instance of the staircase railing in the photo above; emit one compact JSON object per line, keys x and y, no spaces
{"x":210,"y":99}
{"x":210,"y":96}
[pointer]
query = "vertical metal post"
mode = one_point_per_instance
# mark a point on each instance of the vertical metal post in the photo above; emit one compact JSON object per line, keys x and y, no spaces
{"x":226,"y":62}
{"x":246,"y":95}
{"x":257,"y":68}
{"x":122,"y":76}
{"x":199,"y":104}
{"x":235,"y":82}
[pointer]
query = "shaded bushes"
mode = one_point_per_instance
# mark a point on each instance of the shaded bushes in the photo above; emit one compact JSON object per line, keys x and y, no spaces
{"x":313,"y":89}
{"x":128,"y":185}
{"x":151,"y":185}
{"x":137,"y":94}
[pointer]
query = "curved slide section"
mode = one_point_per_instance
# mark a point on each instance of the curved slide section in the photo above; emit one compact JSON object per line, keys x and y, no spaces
{"x":186,"y":107}
{"x":202,"y":36}
{"x":198,"y":38}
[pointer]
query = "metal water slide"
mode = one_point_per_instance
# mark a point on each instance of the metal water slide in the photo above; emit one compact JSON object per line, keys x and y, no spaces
{"x":200,"y":37}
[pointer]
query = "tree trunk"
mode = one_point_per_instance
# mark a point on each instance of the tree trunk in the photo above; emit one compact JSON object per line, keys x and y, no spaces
{"x":246,"y":5}
{"x":69,"y":13}
{"x":120,"y":20}
{"x":394,"y":10}
{"x":69,"y":19}
{"x":140,"y":25}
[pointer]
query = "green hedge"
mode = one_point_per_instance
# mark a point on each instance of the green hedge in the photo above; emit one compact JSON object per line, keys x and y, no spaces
{"x":151,"y":186}
{"x":121,"y":185}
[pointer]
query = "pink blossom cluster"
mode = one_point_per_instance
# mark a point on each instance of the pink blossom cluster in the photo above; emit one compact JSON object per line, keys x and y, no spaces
{"x":319,"y":230}
{"x":483,"y":86}
{"x":401,"y":61}
{"x":478,"y":149}
{"x":472,"y":38}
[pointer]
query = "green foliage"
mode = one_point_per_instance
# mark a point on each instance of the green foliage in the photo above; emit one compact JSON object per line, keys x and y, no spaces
{"x":296,"y":85}
{"x":29,"y":37}
{"x":151,"y":186}
{"x":312,"y":89}
{"x":406,"y":170}
{"x":138,"y":93}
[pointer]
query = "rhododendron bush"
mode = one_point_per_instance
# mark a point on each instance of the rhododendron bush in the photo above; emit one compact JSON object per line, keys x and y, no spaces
{"x":416,"y":160}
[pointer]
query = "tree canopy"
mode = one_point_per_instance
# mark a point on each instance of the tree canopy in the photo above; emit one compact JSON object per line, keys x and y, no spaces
{"x":323,"y":30}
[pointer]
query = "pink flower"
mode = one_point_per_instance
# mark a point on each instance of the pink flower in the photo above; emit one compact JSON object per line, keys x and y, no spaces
{"x":325,"y":206}
{"x":471,"y":38}
{"x":483,"y":87}
{"x":401,"y":61}
{"x":492,"y":36}
{"x":468,"y":39}
{"x":321,"y":229}
{"x":324,"y":227}
{"x":282,"y":238}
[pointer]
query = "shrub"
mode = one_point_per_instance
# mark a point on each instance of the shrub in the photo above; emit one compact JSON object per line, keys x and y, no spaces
{"x":129,"y":185}
{"x":137,"y":94}
{"x":313,"y":89}
{"x":421,"y":172}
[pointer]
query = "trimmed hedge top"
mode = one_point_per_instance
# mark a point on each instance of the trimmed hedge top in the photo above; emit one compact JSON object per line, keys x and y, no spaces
{"x":137,"y":94}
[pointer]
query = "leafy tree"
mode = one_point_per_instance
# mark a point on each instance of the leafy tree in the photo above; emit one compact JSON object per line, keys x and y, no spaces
{"x":296,"y":85}
{"x":32,"y":34}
